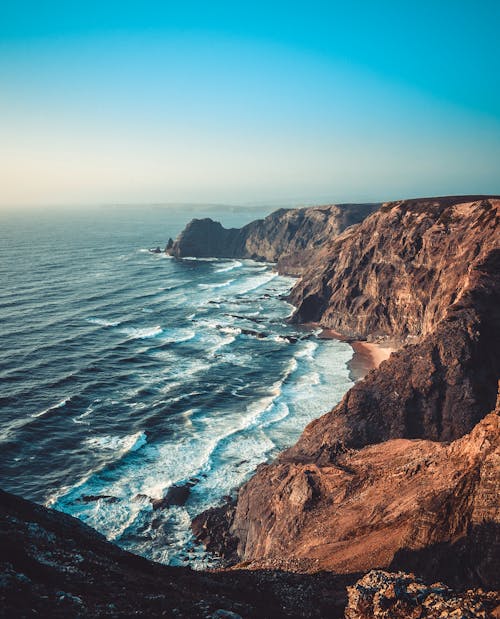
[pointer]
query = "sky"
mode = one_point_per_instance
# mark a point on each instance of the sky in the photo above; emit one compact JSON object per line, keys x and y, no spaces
{"x":122,"y":102}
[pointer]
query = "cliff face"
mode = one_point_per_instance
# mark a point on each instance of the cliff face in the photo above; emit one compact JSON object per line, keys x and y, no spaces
{"x":358,"y":490}
{"x":379,"y":506}
{"x":400,"y":270}
{"x":287,"y":235}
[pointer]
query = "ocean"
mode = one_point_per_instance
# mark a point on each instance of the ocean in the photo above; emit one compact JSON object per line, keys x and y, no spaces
{"x":124,"y":372}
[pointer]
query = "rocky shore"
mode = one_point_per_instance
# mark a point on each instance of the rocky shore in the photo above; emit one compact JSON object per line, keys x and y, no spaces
{"x":402,"y":476}
{"x":390,"y":475}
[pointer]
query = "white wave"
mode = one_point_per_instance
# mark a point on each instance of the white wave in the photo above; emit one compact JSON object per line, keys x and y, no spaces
{"x":280,"y":339}
{"x":176,"y":336}
{"x":216,"y":285}
{"x":307,"y":351}
{"x":231,"y":330}
{"x":135,"y":333}
{"x":120,"y":445}
{"x":254,"y":283}
{"x":194,"y":258}
{"x":230,"y":267}
{"x":103,"y":323}
{"x":52,"y":408}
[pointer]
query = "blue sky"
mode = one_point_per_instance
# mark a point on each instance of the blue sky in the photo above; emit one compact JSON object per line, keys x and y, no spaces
{"x":296,"y":102}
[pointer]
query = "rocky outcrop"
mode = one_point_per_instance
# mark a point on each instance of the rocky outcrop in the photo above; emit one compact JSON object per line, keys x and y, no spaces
{"x":288,"y":236}
{"x":358,"y":490}
{"x":375,"y":506}
{"x":383,"y":595}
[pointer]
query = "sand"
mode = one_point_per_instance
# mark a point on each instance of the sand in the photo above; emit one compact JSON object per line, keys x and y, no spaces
{"x":367,"y":355}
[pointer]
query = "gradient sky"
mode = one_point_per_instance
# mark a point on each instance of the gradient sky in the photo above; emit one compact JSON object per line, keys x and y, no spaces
{"x":247,"y":102}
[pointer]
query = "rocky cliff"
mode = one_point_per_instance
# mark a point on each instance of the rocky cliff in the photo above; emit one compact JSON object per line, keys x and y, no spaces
{"x":380,"y":506}
{"x":358,"y":490}
{"x":289,"y":235}
{"x":398,"y":273}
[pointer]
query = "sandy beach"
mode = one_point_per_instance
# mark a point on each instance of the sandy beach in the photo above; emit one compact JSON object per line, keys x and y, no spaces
{"x":367,"y":355}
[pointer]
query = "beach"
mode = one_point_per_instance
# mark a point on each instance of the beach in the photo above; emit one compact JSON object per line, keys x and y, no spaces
{"x":367,"y":355}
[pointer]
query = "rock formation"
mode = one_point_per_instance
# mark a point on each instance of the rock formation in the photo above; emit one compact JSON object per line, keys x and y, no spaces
{"x":399,"y":272}
{"x":288,"y":236}
{"x":371,"y":505}
{"x":382,"y":595}
{"x":358,"y":490}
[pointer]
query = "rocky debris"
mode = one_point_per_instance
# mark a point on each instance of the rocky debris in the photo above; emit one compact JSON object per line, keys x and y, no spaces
{"x":285,"y":236}
{"x":384,"y":595}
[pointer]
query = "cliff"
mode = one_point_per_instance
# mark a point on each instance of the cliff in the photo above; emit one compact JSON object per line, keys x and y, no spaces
{"x":374,"y":483}
{"x":288,"y":236}
{"x":379,"y":507}
{"x":398,"y":273}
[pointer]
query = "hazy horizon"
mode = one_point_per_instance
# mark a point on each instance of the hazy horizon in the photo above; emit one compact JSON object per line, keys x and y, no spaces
{"x":285,"y":104}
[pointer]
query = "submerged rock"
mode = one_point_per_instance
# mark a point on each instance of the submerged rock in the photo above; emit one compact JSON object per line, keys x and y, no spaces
{"x":176,"y":495}
{"x":89,"y":498}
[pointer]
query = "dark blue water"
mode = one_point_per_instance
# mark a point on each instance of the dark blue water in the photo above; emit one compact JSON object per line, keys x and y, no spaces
{"x":124,"y":372}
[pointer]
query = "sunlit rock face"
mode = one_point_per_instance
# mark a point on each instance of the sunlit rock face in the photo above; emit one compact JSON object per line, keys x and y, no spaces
{"x":287,"y":236}
{"x":404,"y":471}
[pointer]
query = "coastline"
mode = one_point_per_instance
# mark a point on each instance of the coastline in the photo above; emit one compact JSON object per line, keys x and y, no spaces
{"x":367,"y":356}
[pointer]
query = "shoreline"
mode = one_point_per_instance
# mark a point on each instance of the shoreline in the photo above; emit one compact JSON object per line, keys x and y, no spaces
{"x":367,"y":356}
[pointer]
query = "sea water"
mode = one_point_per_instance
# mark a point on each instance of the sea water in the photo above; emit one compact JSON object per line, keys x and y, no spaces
{"x":125,"y":372}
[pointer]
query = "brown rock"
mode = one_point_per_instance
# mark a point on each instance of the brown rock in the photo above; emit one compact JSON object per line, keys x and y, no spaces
{"x":383,"y":595}
{"x":372,"y":504}
{"x":398,"y":272}
{"x":356,"y":492}
{"x":287,"y":235}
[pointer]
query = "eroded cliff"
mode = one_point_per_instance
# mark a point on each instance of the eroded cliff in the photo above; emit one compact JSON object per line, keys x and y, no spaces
{"x":358,"y":490}
{"x":372,"y":504}
{"x":287,"y":235}
{"x":400,"y":270}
